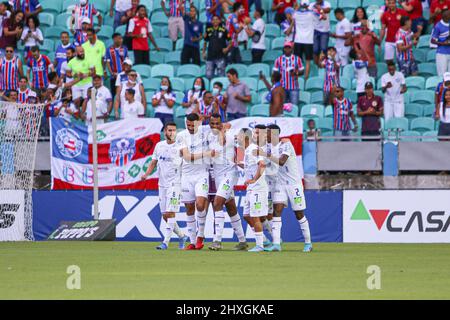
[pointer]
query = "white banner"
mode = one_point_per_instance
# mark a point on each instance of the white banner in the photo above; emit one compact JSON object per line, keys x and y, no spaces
{"x":401,"y":216}
{"x":12,"y":226}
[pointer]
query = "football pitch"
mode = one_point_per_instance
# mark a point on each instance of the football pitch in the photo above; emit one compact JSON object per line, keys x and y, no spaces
{"x":135,"y":270}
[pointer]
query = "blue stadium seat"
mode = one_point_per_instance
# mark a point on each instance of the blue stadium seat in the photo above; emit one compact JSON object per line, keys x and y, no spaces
{"x":415,"y":83}
{"x":54,"y":33}
{"x":293,"y":113}
{"x":325,"y":124}
{"x":381,"y":69}
{"x":270,"y":56}
{"x":62,"y":20}
{"x":397,"y":124}
{"x":432,"y":82}
{"x":352,"y":95}
{"x":164,"y":44}
{"x":51,"y":6}
{"x":272,"y":31}
{"x":427,"y":69}
{"x":254,"y":69}
{"x":305,"y":98}
{"x":251,"y":83}
{"x":46,"y":19}
{"x":314,"y":84}
{"x":348,"y":71}
{"x":420,"y":55}
{"x":424,"y":41}
{"x":430,"y":136}
{"x":429,"y":110}
{"x":246,"y":56}
{"x":156,"y":58}
{"x":177,"y":84}
{"x":151,"y":84}
{"x":188,"y":71}
{"x":179,"y":117}
{"x":317,"y":97}
{"x":172,"y":58}
{"x":422,"y":97}
{"x":259,"y":110}
{"x":105,"y":33}
{"x":422,"y":124}
{"x":145,"y":71}
{"x":413,"y":110}
{"x":159,"y":19}
{"x":161,"y":70}
{"x":278,"y":43}
{"x":431,"y":55}
{"x":121,"y":29}
{"x":239,"y":67}
{"x":346,"y":83}
{"x":328,"y":112}
{"x":312,"y":111}
{"x":410,"y":136}
{"x":47,"y":47}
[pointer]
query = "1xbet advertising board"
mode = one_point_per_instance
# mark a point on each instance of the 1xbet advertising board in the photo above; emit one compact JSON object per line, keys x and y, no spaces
{"x":415,"y":216}
{"x":138,"y":217}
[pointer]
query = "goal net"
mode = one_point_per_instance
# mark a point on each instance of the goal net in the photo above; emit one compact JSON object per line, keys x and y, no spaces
{"x":19,"y":129}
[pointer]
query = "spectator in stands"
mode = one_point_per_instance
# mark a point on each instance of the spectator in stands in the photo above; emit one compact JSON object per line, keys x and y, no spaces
{"x":80,"y":36}
{"x":115,"y":56}
{"x":193,"y":34}
{"x":131,"y":108}
{"x":343,"y":37}
{"x":440,"y":37}
{"x":70,"y":54}
{"x":359,"y":16}
{"x":290,"y":66}
{"x":4,"y":15}
{"x":442,"y":86}
{"x":258,"y":4}
{"x":206,"y":107}
{"x":39,"y":65}
{"x":61,"y":51}
{"x":122,"y":77}
{"x":280,"y":7}
{"x":81,"y":11}
{"x":405,"y":40}
{"x":25,"y":94}
{"x":125,"y":20}
{"x":365,"y":42}
{"x":237,"y":96}
{"x":118,"y":9}
{"x":393,"y":86}
{"x":276,"y":95}
{"x":80,"y":68}
{"x":103,"y":102}
{"x":360,"y":71}
{"x":163,"y":101}
{"x":257,"y":32}
{"x":31,"y":36}
{"x":95,"y":51}
{"x":234,"y":28}
{"x":370,"y":109}
{"x":288,"y":25}
{"x":138,"y":93}
{"x":194,"y":94}
{"x":30,"y":8}
{"x":12,"y":30}
{"x":321,"y":27}
{"x":304,"y":19}
{"x":220,"y":100}
{"x":437,"y":8}
{"x":10,"y":70}
{"x":213,"y":8}
{"x":217,"y":37}
{"x":175,"y":21}
{"x":342,"y":113}
{"x":443,"y":115}
{"x":65,"y":108}
{"x":390,"y":21}
{"x":140,"y":30}
{"x":312,"y":133}
{"x":415,"y":13}
{"x":331,"y":67}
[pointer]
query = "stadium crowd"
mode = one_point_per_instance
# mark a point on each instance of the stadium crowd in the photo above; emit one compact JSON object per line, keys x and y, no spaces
{"x":327,"y":61}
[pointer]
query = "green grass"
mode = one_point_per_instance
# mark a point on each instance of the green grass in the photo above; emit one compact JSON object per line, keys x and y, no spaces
{"x":125,"y":270}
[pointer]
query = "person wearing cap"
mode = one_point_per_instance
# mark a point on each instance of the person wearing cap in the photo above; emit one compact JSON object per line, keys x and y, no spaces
{"x":131,"y":108}
{"x":122,"y":77}
{"x":131,"y":83}
{"x":370,"y":109}
{"x":442,"y":86}
{"x":81,"y":11}
{"x":393,"y":85}
{"x":114,"y":58}
{"x":290,"y":66}
{"x":80,"y":35}
{"x":321,"y":27}
{"x":304,"y":19}
{"x":440,"y":37}
{"x":288,"y":25}
{"x":280,"y":7}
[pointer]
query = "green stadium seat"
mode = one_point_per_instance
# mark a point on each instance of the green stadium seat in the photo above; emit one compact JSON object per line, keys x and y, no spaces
{"x":422,"y":97}
{"x":325,"y":124}
{"x":108,"y":21}
{"x":260,"y":110}
{"x":177,"y":84}
{"x":261,"y":86}
{"x":246,"y":56}
{"x":121,"y":29}
{"x":305,"y":98}
{"x":348,"y":71}
{"x":54,"y":33}
{"x":415,"y":83}
{"x":47,"y":47}
{"x":427,"y":69}
{"x":381,"y":69}
{"x":149,"y":96}
{"x":172,"y":58}
{"x":317,"y":97}
{"x":420,"y":55}
{"x":314,"y":84}
{"x":202,"y":71}
{"x":254,"y":69}
{"x":430,"y":136}
{"x":278,"y":43}
{"x":432,"y":82}
{"x":159,"y":19}
{"x":352,"y":95}
{"x":188,"y":71}
{"x":151,"y":84}
{"x":102,"y":6}
{"x":239,"y":67}
{"x":46,"y":19}
{"x":179,"y":44}
{"x":272,"y":31}
{"x":368,"y":3}
{"x":179,"y":96}
{"x":410,"y":136}
{"x":156,"y":58}
{"x":145,"y":71}
{"x":429,"y":110}
{"x":162,"y":70}
{"x":179,"y":117}
{"x":164,"y":44}
{"x":251,"y":83}
{"x":105,"y":33}
{"x":422,"y":124}
{"x":413,"y":110}
{"x":424,"y":41}
{"x":328,"y":112}
{"x":270,"y":56}
{"x":349,"y":4}
{"x":406,"y":97}
{"x":67,"y":5}
{"x":431,"y":55}
{"x":62,"y":20}
{"x":397,"y":124}
{"x":51,"y":6}
{"x":346,"y":83}
{"x":312,"y":111}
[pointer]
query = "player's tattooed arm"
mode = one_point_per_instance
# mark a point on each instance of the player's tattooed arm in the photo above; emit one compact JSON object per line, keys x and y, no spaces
{"x":150,"y":169}
{"x":191,"y":157}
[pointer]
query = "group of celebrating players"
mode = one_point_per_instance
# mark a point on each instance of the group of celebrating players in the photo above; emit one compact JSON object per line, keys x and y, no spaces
{"x":200,"y":166}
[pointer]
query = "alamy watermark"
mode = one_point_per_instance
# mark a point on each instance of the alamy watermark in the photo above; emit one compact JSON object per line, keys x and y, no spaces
{"x":73,"y":281}
{"x":374,"y":280}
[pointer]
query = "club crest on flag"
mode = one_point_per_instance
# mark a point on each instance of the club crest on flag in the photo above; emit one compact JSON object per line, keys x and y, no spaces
{"x":122,"y":150}
{"x":68,"y":142}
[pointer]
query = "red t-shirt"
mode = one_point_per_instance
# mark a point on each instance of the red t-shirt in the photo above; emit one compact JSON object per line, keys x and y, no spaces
{"x":286,"y":4}
{"x":141,"y":26}
{"x":417,"y":11}
{"x":367,"y":44}
{"x":244,"y":3}
{"x":392,"y":22}
{"x":437,"y":4}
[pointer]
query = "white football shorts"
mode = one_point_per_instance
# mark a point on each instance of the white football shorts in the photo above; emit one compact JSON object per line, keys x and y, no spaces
{"x":170,"y":199}
{"x":256,"y":203}
{"x":194,"y":186}
{"x":294,"y":194}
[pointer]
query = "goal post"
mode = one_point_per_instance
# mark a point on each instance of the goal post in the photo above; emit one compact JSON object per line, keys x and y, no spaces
{"x":19,"y":131}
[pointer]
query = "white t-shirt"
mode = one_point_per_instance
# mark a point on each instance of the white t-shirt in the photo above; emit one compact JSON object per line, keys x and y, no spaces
{"x":322,"y":25}
{"x":251,"y":163}
{"x":304,"y":26}
{"x":361,"y":74}
{"x":356,"y":27}
{"x":195,"y":143}
{"x":393,"y":94}
{"x":63,"y":113}
{"x":443,"y":119}
{"x":169,"y":163}
{"x":260,"y":26}
{"x":289,"y":173}
{"x":132,"y":110}
{"x":101,"y":110}
{"x":224,"y":162}
{"x":31,"y":42}
{"x":342,"y":27}
{"x":162,"y":107}
{"x":137,"y":93}
{"x":123,"y":5}
{"x":123,"y":78}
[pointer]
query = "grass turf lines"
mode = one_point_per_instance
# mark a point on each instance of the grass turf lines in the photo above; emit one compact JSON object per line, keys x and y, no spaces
{"x":135,"y":270}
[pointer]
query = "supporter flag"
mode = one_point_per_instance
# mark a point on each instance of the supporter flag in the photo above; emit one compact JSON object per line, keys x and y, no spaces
{"x":124,"y":154}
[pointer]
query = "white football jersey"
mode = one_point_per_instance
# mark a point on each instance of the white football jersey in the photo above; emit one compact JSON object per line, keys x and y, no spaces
{"x":224,"y":161}
{"x":289,"y":174}
{"x":195,"y":143}
{"x":169,"y":163}
{"x":271,"y":167}
{"x":251,"y":167}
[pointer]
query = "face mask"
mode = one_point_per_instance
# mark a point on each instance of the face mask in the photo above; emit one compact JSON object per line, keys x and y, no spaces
{"x":164,"y":88}
{"x":215,"y":91}
{"x":83,"y":2}
{"x":197,"y":87}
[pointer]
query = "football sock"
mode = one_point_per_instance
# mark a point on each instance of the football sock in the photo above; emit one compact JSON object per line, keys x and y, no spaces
{"x":276,"y":230}
{"x":259,"y":239}
{"x":201,"y":221}
{"x":191,"y":228}
{"x":304,"y":225}
{"x":170,"y":225}
{"x":178,"y":231}
{"x":267,"y":230}
{"x":219,"y":221}
{"x":236,"y":223}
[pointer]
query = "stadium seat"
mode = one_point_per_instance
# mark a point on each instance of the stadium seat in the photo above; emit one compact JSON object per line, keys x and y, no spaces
{"x":349,"y":4}
{"x":397,"y":124}
{"x":62,"y":20}
{"x":151,"y":84}
{"x":305,"y":98}
{"x":188,"y":71}
{"x":54,"y":33}
{"x":430,"y":136}
{"x":259,"y":110}
{"x":121,"y":29}
{"x":431,"y":56}
{"x":46,"y":19}
{"x":159,"y":19}
{"x":413,"y":110}
{"x":432,"y":82}
{"x":102,"y":6}
{"x":346,"y":83}
{"x":105,"y":33}
{"x":312,"y":111}
{"x":261,"y":86}
{"x":316,"y":97}
{"x":156,"y":58}
{"x":348,"y":71}
{"x":420,"y":55}
{"x":50,"y":6}
{"x":410,"y":136}
{"x":422,"y":97}
{"x":415,"y":83}
{"x":272,"y":31}
{"x":172,"y":58}
{"x":150,"y":111}
{"x":429,"y":110}
{"x":145,"y":71}
{"x":352,"y":95}
{"x":427,"y":69}
{"x":293,"y":113}
{"x":325,"y":124}
{"x":270,"y":56}
{"x":368,"y":3}
{"x":314,"y":84}
{"x":246,"y":56}
{"x":422,"y":124}
{"x":251,"y":83}
{"x":67,"y":5}
{"x":239,"y":67}
{"x":177,"y":84}
{"x":164,"y":44}
{"x":328,"y":112}
{"x":278,"y":43}
{"x":47,"y":47}
{"x":224,"y":80}
{"x":179,"y":117}
{"x":381,"y":69}
{"x":179,"y":96}
{"x":254,"y":69}
{"x":424,"y":41}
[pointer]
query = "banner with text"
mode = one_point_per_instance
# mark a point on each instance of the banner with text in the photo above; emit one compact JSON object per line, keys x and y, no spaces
{"x":12,"y":219}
